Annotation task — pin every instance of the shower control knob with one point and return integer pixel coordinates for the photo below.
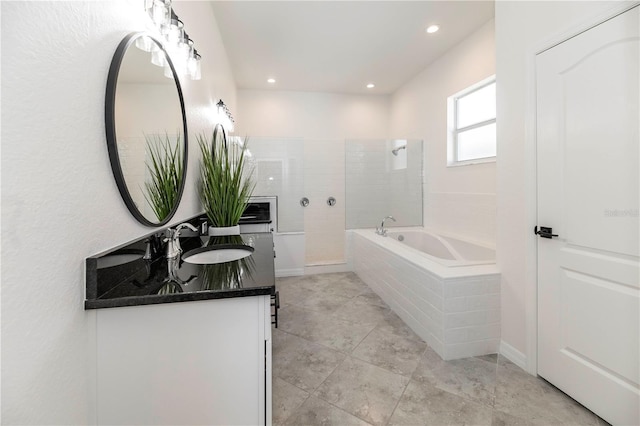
(331, 201)
(304, 201)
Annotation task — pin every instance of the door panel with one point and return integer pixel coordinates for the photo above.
(587, 93)
(599, 114)
(586, 335)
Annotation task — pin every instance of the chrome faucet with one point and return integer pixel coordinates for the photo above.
(173, 239)
(381, 230)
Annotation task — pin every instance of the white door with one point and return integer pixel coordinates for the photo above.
(588, 189)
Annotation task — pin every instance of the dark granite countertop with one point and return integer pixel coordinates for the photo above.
(123, 277)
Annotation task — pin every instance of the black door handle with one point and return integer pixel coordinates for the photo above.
(544, 232)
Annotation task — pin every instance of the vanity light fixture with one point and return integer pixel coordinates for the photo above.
(193, 65)
(370, 86)
(432, 29)
(271, 80)
(224, 116)
(175, 40)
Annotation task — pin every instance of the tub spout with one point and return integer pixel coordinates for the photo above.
(381, 230)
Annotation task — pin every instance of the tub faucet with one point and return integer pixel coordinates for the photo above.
(381, 230)
(173, 239)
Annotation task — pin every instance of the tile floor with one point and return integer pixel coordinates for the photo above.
(341, 357)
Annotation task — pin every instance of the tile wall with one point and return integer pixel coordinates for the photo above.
(323, 224)
(469, 215)
(279, 171)
(379, 183)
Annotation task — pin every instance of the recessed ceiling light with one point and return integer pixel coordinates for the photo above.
(271, 80)
(432, 29)
(370, 86)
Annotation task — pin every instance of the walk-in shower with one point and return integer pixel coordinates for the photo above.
(348, 184)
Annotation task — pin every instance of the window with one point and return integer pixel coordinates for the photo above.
(472, 124)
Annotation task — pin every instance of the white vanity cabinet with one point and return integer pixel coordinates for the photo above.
(199, 362)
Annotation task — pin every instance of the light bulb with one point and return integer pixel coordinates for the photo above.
(160, 12)
(193, 65)
(158, 57)
(145, 43)
(174, 33)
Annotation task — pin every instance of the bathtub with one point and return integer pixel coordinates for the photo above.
(446, 289)
(445, 250)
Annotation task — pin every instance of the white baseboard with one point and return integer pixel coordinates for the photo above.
(513, 355)
(289, 272)
(326, 269)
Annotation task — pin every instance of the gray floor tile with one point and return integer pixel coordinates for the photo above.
(364, 390)
(320, 282)
(534, 400)
(424, 404)
(338, 311)
(392, 323)
(370, 298)
(322, 328)
(492, 358)
(471, 378)
(603, 422)
(302, 363)
(286, 399)
(504, 419)
(359, 312)
(292, 294)
(346, 284)
(320, 301)
(318, 412)
(390, 351)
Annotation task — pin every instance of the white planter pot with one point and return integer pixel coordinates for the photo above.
(225, 230)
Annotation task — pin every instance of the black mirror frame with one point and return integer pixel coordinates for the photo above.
(110, 125)
(219, 128)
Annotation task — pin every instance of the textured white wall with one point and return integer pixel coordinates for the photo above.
(522, 28)
(60, 202)
(457, 200)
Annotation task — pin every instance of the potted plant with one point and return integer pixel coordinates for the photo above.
(162, 192)
(226, 181)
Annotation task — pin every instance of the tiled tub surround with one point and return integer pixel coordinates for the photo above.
(122, 277)
(455, 309)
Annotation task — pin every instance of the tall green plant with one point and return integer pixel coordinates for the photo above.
(165, 170)
(225, 186)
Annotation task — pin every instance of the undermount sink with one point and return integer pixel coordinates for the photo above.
(211, 255)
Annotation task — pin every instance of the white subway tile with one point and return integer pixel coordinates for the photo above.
(456, 335)
(455, 304)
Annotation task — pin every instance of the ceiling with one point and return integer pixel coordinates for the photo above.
(340, 46)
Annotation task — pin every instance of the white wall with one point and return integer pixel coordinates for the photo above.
(60, 202)
(323, 121)
(457, 200)
(312, 115)
(522, 29)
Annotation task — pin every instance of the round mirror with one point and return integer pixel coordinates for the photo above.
(146, 129)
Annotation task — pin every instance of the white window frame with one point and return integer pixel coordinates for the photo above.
(453, 131)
